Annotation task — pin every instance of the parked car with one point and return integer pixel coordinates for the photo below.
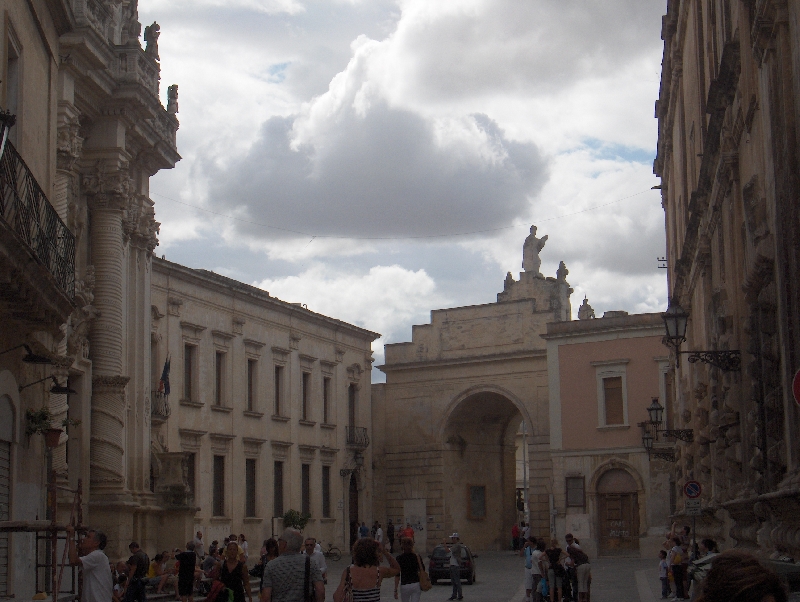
(439, 566)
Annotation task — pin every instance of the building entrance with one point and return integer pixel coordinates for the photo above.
(618, 513)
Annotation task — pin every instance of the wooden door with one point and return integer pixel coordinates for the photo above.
(618, 514)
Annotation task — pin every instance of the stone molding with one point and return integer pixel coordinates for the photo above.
(280, 355)
(221, 442)
(307, 362)
(327, 368)
(191, 439)
(113, 383)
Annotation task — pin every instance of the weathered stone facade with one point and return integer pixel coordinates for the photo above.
(728, 160)
(446, 419)
(233, 349)
(90, 132)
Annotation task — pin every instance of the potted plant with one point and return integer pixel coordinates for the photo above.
(41, 421)
(295, 519)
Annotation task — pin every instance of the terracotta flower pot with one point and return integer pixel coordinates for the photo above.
(52, 437)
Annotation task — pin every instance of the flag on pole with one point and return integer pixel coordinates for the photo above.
(163, 384)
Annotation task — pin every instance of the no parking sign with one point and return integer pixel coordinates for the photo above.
(692, 489)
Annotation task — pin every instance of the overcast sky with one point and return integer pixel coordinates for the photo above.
(377, 159)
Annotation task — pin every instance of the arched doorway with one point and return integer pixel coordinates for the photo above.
(618, 513)
(479, 470)
(353, 506)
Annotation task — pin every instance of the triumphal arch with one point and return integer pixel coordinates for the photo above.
(447, 419)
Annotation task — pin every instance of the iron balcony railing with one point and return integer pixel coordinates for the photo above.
(159, 405)
(357, 436)
(25, 208)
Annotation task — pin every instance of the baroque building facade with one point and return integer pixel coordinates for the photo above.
(78, 235)
(728, 161)
(268, 411)
(489, 400)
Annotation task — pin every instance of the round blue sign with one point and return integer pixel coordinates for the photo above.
(692, 489)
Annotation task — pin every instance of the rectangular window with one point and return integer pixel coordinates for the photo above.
(326, 492)
(250, 486)
(306, 489)
(277, 489)
(252, 384)
(219, 378)
(278, 390)
(218, 502)
(326, 400)
(306, 395)
(351, 405)
(189, 355)
(477, 501)
(575, 492)
(190, 472)
(612, 390)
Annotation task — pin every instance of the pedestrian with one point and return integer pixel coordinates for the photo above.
(119, 587)
(410, 564)
(135, 583)
(527, 551)
(515, 537)
(98, 584)
(390, 535)
(243, 546)
(583, 570)
(199, 546)
(675, 556)
(455, 549)
(537, 570)
(141, 561)
(408, 531)
(379, 534)
(187, 561)
(663, 574)
(374, 530)
(363, 530)
(526, 531)
(555, 571)
(699, 568)
(285, 576)
(311, 549)
(233, 573)
(363, 578)
(737, 576)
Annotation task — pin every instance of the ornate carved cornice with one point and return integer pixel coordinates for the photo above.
(108, 188)
(69, 143)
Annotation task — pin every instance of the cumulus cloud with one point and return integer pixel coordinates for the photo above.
(270, 7)
(385, 299)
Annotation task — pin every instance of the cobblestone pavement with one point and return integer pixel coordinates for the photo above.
(500, 579)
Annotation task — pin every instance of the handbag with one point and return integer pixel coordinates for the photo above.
(347, 594)
(424, 580)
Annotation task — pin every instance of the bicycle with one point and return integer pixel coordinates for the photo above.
(332, 552)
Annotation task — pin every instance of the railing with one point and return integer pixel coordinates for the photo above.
(159, 405)
(25, 208)
(356, 436)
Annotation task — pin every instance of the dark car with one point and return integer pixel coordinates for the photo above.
(439, 566)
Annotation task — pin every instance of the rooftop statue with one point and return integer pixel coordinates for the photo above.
(585, 311)
(151, 33)
(531, 262)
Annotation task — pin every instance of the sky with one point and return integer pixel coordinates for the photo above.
(378, 159)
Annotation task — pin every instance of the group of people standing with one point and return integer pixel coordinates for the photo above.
(554, 573)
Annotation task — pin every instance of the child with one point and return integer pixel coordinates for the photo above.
(119, 588)
(663, 574)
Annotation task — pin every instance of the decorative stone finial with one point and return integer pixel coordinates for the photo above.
(585, 311)
(172, 99)
(151, 33)
(562, 272)
(509, 281)
(530, 253)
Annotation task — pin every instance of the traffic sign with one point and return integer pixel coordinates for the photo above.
(692, 489)
(693, 507)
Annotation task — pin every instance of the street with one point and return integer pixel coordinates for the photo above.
(500, 578)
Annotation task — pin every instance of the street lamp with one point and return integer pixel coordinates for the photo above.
(651, 429)
(30, 356)
(675, 322)
(56, 389)
(7, 120)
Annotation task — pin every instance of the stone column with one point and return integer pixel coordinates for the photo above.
(108, 192)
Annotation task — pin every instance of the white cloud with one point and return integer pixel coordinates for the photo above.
(270, 7)
(386, 299)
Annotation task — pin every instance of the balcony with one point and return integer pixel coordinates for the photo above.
(159, 406)
(356, 437)
(35, 223)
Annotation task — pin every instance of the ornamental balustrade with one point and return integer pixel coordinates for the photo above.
(26, 210)
(356, 436)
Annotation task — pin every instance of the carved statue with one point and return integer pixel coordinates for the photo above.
(172, 99)
(531, 261)
(76, 329)
(151, 33)
(585, 311)
(509, 281)
(562, 272)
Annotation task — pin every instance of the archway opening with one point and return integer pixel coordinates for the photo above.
(618, 513)
(479, 467)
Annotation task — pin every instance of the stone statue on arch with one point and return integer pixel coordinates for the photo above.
(531, 262)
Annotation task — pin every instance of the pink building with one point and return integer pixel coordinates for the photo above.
(603, 374)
